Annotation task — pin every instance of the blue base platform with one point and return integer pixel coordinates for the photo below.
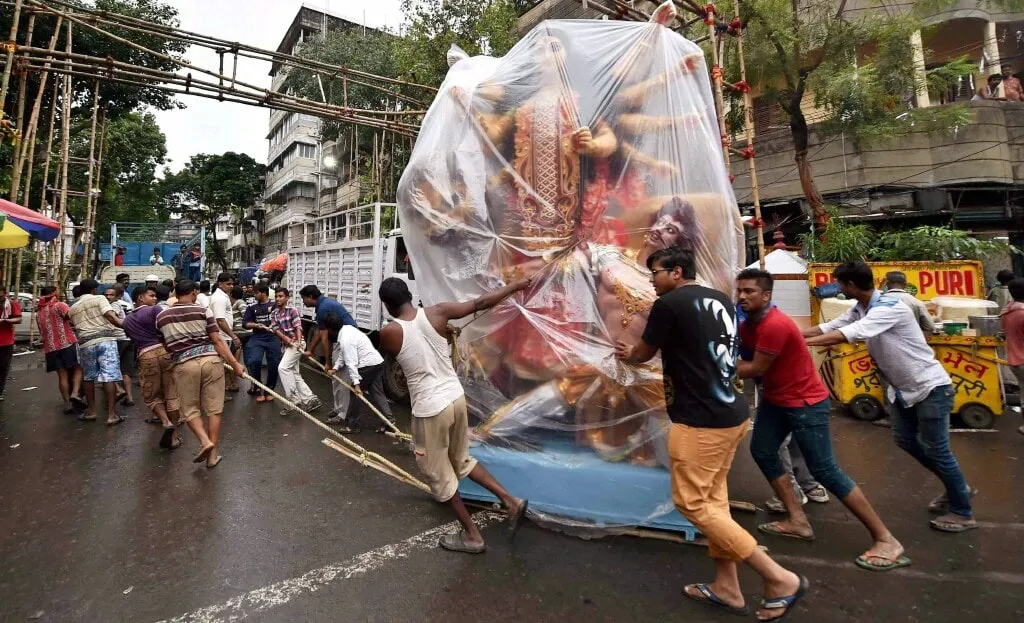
(573, 482)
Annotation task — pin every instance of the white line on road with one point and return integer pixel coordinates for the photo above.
(280, 593)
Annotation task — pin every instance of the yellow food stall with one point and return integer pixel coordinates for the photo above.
(971, 361)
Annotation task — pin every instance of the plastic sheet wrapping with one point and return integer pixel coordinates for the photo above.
(587, 147)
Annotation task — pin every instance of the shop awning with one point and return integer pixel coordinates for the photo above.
(45, 229)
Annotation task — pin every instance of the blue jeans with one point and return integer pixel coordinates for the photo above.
(255, 349)
(922, 431)
(809, 426)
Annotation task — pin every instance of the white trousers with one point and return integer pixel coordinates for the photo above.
(295, 389)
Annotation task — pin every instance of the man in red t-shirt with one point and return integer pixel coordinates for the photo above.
(796, 401)
(10, 315)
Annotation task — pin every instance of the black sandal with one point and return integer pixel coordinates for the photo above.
(167, 437)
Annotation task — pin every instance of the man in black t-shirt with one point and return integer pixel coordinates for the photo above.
(695, 329)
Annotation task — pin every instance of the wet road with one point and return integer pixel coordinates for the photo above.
(97, 524)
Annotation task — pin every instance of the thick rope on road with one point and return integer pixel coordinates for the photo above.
(347, 447)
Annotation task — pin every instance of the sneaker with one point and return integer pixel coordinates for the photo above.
(818, 495)
(312, 405)
(336, 419)
(775, 505)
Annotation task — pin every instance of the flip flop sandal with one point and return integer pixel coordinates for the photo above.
(768, 528)
(864, 562)
(940, 505)
(152, 420)
(953, 527)
(203, 454)
(515, 522)
(708, 597)
(212, 464)
(785, 603)
(79, 402)
(119, 420)
(261, 398)
(457, 543)
(128, 403)
(165, 439)
(252, 391)
(83, 418)
(120, 397)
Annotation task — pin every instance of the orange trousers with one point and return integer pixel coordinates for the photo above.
(700, 461)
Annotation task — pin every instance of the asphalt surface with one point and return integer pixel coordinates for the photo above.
(98, 524)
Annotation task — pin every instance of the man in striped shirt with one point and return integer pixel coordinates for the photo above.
(192, 339)
(286, 323)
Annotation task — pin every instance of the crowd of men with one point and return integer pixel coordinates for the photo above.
(175, 338)
(179, 342)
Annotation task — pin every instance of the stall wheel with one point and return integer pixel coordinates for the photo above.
(977, 416)
(865, 407)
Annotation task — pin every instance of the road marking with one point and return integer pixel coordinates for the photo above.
(973, 578)
(280, 593)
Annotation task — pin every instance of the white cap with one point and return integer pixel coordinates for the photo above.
(152, 278)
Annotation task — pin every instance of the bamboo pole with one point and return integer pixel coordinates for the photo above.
(46, 195)
(748, 131)
(98, 180)
(65, 143)
(29, 139)
(321, 369)
(89, 203)
(19, 152)
(362, 454)
(11, 46)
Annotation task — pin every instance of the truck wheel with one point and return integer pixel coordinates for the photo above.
(977, 416)
(865, 407)
(394, 381)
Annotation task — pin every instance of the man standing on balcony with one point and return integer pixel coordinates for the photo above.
(919, 388)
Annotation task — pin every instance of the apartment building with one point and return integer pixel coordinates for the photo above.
(304, 175)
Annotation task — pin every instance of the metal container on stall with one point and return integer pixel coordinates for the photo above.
(987, 326)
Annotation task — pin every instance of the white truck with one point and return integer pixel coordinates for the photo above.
(348, 257)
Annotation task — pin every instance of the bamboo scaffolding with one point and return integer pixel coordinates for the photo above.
(197, 89)
(65, 141)
(87, 233)
(267, 95)
(10, 46)
(29, 139)
(19, 158)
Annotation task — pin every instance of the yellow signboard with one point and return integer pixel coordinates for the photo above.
(925, 280)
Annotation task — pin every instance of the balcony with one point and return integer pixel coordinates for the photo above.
(989, 150)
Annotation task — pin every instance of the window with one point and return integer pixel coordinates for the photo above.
(307, 151)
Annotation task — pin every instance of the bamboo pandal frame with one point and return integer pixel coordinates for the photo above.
(347, 447)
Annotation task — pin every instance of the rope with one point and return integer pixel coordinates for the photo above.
(351, 448)
(321, 369)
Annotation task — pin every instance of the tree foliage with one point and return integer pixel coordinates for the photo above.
(478, 27)
(856, 65)
(210, 187)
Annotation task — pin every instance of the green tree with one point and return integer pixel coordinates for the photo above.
(478, 27)
(858, 66)
(210, 187)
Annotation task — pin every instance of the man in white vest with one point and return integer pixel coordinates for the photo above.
(418, 340)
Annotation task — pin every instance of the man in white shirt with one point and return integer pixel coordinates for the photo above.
(896, 285)
(221, 308)
(919, 387)
(359, 364)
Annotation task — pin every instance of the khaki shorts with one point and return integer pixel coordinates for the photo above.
(200, 384)
(442, 449)
(157, 380)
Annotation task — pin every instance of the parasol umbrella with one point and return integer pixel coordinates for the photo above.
(12, 236)
(45, 229)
